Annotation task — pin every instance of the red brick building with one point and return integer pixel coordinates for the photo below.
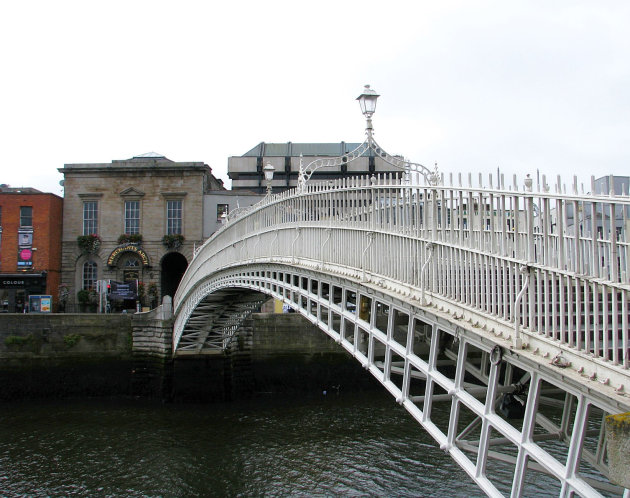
(30, 246)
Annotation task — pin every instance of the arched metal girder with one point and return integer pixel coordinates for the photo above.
(214, 321)
(552, 429)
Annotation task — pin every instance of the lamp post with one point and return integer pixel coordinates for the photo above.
(367, 101)
(269, 170)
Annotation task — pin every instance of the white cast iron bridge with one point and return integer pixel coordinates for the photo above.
(509, 303)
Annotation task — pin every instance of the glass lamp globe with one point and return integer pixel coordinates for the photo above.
(367, 101)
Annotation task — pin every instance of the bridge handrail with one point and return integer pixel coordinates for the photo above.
(574, 246)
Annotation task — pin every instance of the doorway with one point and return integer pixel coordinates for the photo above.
(173, 267)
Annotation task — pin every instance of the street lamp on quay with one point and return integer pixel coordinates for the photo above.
(367, 101)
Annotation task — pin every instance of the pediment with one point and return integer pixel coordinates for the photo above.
(132, 192)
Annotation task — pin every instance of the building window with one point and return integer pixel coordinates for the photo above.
(89, 275)
(90, 217)
(222, 209)
(173, 217)
(26, 216)
(132, 217)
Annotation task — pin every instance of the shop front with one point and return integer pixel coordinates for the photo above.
(129, 267)
(16, 288)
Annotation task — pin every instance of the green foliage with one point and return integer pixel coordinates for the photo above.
(173, 241)
(83, 296)
(17, 340)
(130, 238)
(89, 244)
(71, 339)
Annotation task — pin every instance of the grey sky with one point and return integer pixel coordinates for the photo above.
(519, 85)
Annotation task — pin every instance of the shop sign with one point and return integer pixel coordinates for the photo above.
(120, 291)
(111, 261)
(34, 283)
(12, 283)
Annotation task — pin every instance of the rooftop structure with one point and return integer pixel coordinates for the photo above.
(246, 171)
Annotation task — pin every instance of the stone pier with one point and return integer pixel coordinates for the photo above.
(618, 437)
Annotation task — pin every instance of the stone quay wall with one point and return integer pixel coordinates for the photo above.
(63, 355)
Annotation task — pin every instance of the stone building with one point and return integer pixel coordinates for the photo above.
(128, 221)
(246, 171)
(30, 248)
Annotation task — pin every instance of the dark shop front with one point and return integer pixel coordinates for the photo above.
(15, 290)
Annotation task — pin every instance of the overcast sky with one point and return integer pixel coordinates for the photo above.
(474, 86)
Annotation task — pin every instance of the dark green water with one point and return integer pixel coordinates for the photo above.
(334, 445)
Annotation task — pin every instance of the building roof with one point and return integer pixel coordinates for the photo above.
(5, 189)
(290, 149)
(154, 155)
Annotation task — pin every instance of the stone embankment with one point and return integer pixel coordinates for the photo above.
(62, 355)
(58, 355)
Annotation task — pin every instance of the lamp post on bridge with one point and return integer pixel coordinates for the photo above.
(269, 171)
(367, 101)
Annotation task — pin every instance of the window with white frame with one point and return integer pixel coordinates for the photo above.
(90, 217)
(132, 217)
(174, 217)
(26, 216)
(89, 275)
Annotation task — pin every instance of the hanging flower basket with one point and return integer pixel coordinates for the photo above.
(130, 238)
(174, 241)
(88, 244)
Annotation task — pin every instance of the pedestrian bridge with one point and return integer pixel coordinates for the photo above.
(509, 302)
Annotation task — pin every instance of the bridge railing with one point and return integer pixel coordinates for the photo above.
(554, 264)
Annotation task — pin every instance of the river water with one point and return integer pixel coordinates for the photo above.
(327, 445)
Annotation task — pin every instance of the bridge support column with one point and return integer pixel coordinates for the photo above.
(618, 436)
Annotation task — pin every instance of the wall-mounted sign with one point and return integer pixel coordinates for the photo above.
(12, 283)
(119, 291)
(31, 283)
(116, 253)
(25, 258)
(25, 252)
(25, 239)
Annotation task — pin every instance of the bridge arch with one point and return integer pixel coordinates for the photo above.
(419, 356)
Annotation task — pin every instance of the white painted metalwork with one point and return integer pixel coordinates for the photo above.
(422, 284)
(368, 106)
